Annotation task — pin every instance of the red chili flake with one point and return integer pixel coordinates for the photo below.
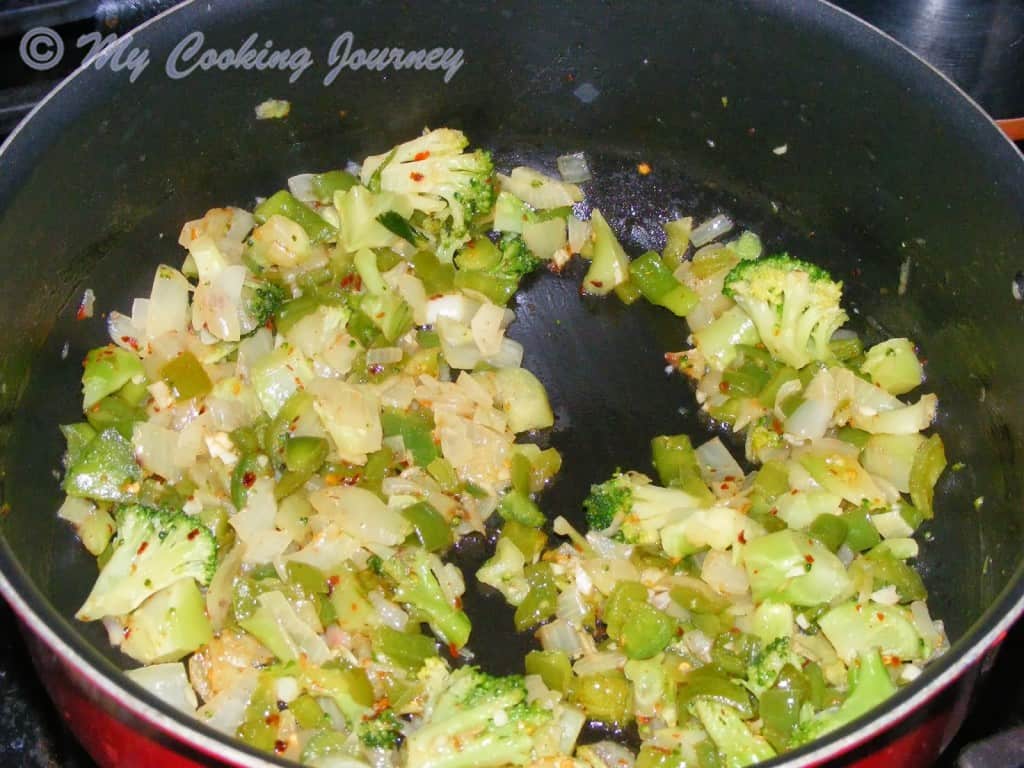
(380, 705)
(193, 533)
(855, 271)
(742, 539)
(751, 131)
(416, 176)
(272, 719)
(597, 283)
(723, 386)
(809, 558)
(81, 314)
(248, 479)
(777, 426)
(773, 511)
(350, 480)
(724, 486)
(880, 616)
(280, 746)
(643, 169)
(142, 548)
(458, 603)
(453, 650)
(333, 580)
(354, 607)
(202, 410)
(422, 155)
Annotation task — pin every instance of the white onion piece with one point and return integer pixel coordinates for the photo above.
(226, 711)
(579, 234)
(698, 644)
(383, 356)
(611, 754)
(723, 575)
(925, 626)
(710, 230)
(453, 306)
(573, 168)
(596, 663)
(559, 635)
(390, 614)
(810, 420)
(169, 683)
(717, 466)
(570, 606)
(301, 186)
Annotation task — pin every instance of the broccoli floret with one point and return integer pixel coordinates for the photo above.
(152, 550)
(416, 585)
(640, 508)
(794, 305)
(261, 301)
(870, 685)
(438, 178)
(478, 720)
(517, 260)
(505, 571)
(383, 730)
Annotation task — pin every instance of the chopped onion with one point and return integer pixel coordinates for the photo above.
(698, 644)
(710, 230)
(611, 754)
(301, 186)
(560, 635)
(723, 575)
(596, 663)
(573, 168)
(570, 606)
(717, 466)
(925, 626)
(169, 683)
(391, 615)
(579, 234)
(383, 356)
(453, 306)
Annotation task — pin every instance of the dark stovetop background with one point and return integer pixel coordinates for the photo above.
(978, 43)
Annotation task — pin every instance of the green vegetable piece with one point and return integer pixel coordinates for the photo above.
(327, 183)
(444, 473)
(478, 254)
(869, 687)
(794, 305)
(647, 632)
(860, 531)
(830, 530)
(103, 470)
(186, 377)
(677, 241)
(353, 611)
(929, 463)
(540, 602)
(520, 472)
(430, 528)
(153, 550)
(416, 427)
(170, 625)
(107, 369)
(77, 436)
(893, 365)
(853, 436)
(134, 392)
(307, 577)
(554, 668)
(305, 454)
(308, 712)
(794, 568)
(521, 508)
(246, 472)
(739, 745)
(528, 540)
(416, 585)
(605, 696)
(887, 570)
(398, 225)
(408, 650)
(845, 350)
(498, 289)
(709, 683)
(610, 265)
(437, 277)
(114, 413)
(283, 203)
(855, 628)
(675, 461)
(657, 284)
(697, 597)
(628, 293)
(623, 600)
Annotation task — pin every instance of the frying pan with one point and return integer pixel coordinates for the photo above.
(886, 163)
